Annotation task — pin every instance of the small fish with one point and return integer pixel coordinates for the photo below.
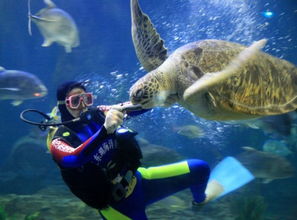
(55, 25)
(19, 85)
(190, 131)
(265, 165)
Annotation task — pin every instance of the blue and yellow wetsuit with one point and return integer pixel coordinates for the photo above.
(92, 163)
(156, 183)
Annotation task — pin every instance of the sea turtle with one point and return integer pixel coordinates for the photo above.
(214, 79)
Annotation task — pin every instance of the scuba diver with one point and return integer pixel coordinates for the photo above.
(99, 160)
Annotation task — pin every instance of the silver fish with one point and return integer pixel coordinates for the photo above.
(19, 85)
(265, 165)
(55, 25)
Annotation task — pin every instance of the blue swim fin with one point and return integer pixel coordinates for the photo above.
(231, 174)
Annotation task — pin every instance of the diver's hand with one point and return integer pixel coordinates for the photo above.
(114, 118)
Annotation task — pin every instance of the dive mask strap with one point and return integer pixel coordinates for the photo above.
(61, 102)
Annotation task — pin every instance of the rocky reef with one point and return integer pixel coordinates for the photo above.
(57, 203)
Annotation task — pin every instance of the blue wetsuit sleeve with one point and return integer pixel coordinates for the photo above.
(67, 156)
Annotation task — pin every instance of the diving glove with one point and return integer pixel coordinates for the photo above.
(114, 118)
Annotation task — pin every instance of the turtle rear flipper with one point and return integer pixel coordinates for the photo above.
(211, 79)
(148, 44)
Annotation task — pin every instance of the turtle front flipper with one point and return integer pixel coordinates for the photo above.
(211, 79)
(148, 44)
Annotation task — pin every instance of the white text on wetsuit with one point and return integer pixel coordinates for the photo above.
(103, 149)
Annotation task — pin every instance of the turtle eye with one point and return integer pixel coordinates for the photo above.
(138, 94)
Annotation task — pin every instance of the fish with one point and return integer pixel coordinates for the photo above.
(19, 85)
(155, 155)
(265, 165)
(276, 147)
(276, 125)
(55, 25)
(190, 131)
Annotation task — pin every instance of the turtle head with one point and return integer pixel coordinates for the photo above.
(147, 92)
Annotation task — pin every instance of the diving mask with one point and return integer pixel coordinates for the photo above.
(74, 101)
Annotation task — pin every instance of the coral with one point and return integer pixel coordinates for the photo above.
(249, 208)
(33, 216)
(3, 214)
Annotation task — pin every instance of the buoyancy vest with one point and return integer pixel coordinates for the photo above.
(95, 184)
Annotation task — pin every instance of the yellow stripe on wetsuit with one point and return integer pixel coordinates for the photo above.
(150, 173)
(111, 213)
(165, 171)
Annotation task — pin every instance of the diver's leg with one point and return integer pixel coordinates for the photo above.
(162, 181)
(200, 172)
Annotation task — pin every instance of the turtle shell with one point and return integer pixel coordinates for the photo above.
(264, 85)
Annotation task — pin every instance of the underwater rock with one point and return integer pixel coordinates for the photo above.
(59, 206)
(249, 208)
(56, 203)
(28, 167)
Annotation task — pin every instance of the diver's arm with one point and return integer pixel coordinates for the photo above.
(68, 156)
